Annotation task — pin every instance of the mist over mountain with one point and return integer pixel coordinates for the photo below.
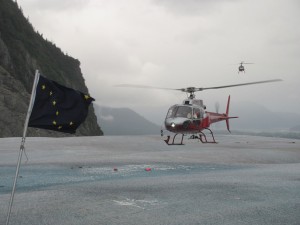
(123, 121)
(256, 117)
(22, 51)
(295, 129)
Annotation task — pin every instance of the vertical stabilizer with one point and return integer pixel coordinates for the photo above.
(227, 113)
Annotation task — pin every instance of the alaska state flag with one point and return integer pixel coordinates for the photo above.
(57, 107)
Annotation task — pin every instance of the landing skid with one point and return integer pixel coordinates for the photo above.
(172, 143)
(203, 139)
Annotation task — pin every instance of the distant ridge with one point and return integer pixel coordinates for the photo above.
(295, 129)
(253, 116)
(124, 121)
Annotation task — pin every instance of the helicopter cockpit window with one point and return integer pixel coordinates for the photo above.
(184, 111)
(171, 112)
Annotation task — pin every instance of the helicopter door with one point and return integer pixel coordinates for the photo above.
(196, 116)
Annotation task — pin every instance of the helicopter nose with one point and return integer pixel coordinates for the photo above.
(177, 124)
(170, 125)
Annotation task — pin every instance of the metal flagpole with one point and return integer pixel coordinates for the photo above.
(22, 147)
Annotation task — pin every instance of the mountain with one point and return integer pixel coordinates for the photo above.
(124, 121)
(295, 129)
(253, 116)
(22, 51)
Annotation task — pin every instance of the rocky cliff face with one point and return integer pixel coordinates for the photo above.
(22, 51)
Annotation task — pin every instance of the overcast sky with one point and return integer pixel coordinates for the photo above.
(176, 44)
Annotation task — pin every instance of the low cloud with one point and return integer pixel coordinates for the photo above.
(107, 118)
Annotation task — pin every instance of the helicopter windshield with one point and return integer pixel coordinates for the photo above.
(180, 111)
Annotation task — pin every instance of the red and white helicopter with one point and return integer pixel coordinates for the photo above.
(191, 117)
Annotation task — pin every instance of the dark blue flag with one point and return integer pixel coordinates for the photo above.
(57, 107)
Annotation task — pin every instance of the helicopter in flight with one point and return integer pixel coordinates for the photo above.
(190, 117)
(241, 67)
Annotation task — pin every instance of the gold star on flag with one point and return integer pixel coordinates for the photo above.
(54, 103)
(50, 93)
(43, 87)
(86, 97)
(71, 123)
(59, 127)
(54, 122)
(57, 113)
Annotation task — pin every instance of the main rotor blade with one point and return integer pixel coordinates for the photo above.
(236, 85)
(145, 86)
(194, 89)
